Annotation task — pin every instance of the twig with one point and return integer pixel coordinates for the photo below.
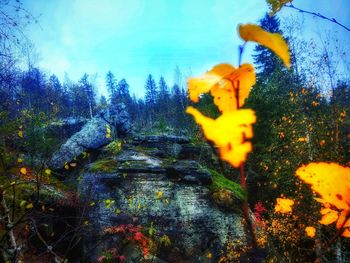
(333, 20)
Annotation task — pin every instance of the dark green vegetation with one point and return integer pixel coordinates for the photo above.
(302, 116)
(221, 182)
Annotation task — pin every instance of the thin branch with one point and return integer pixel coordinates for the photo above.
(333, 20)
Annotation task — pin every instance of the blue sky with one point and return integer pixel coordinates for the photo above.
(136, 37)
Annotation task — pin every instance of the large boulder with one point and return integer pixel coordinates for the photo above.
(91, 136)
(119, 118)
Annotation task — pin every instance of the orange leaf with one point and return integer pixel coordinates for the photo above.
(329, 216)
(284, 205)
(346, 226)
(237, 84)
(202, 84)
(225, 84)
(273, 41)
(23, 170)
(310, 231)
(330, 180)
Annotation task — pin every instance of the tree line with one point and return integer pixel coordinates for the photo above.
(32, 90)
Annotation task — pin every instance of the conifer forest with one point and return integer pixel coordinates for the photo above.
(174, 131)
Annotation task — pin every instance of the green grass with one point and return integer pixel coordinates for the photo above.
(221, 182)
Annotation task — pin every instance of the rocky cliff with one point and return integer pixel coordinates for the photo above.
(155, 182)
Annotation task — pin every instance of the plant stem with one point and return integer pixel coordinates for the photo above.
(245, 205)
(245, 209)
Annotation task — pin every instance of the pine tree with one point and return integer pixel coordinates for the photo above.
(33, 87)
(111, 84)
(163, 102)
(151, 91)
(56, 95)
(89, 92)
(151, 97)
(123, 91)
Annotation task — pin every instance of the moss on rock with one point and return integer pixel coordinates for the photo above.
(114, 147)
(221, 182)
(104, 165)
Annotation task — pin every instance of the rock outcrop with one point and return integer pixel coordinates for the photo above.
(119, 118)
(93, 135)
(65, 128)
(148, 184)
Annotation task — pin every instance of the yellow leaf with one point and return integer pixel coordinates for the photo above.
(329, 216)
(284, 205)
(19, 160)
(273, 41)
(330, 180)
(151, 230)
(23, 170)
(109, 203)
(20, 134)
(165, 240)
(229, 132)
(202, 84)
(344, 225)
(73, 164)
(225, 84)
(310, 231)
(159, 194)
(29, 206)
(276, 5)
(48, 171)
(23, 203)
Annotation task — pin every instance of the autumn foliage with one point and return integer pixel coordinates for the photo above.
(231, 131)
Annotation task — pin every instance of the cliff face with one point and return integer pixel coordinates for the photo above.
(158, 183)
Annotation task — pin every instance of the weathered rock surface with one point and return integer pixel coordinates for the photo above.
(92, 135)
(65, 128)
(119, 118)
(170, 194)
